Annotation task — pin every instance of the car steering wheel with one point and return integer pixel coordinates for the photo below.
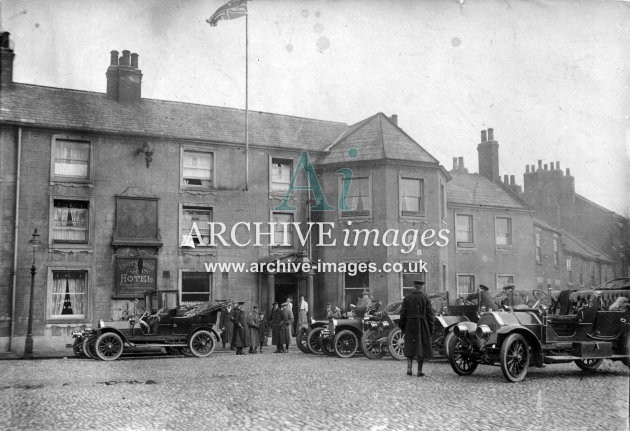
(541, 298)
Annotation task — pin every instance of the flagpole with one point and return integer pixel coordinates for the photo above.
(246, 103)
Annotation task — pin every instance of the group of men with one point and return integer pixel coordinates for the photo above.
(242, 328)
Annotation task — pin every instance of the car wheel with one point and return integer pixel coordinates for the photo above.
(447, 340)
(372, 348)
(396, 343)
(173, 351)
(186, 351)
(514, 357)
(327, 346)
(314, 346)
(76, 348)
(108, 346)
(85, 348)
(589, 365)
(302, 340)
(346, 343)
(461, 361)
(201, 344)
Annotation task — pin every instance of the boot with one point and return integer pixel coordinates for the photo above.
(251, 350)
(409, 365)
(420, 373)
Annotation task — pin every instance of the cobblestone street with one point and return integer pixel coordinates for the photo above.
(300, 391)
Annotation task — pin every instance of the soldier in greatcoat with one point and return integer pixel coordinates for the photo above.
(416, 322)
(253, 324)
(288, 316)
(278, 322)
(226, 325)
(239, 336)
(262, 331)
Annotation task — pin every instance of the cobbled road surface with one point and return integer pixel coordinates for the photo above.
(297, 391)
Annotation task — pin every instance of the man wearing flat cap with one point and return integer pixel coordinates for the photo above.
(416, 322)
(511, 297)
(485, 298)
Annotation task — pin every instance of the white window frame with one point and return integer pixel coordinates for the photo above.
(52, 242)
(180, 284)
(509, 246)
(290, 231)
(499, 286)
(195, 149)
(357, 215)
(464, 245)
(276, 190)
(71, 178)
(49, 292)
(422, 198)
(182, 208)
(459, 294)
(343, 282)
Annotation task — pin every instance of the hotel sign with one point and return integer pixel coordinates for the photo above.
(134, 276)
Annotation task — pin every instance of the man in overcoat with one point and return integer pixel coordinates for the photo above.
(485, 298)
(253, 324)
(226, 325)
(288, 316)
(278, 323)
(416, 322)
(239, 336)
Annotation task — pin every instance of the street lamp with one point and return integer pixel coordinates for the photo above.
(28, 345)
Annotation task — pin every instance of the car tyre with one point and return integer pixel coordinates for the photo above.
(313, 341)
(515, 357)
(447, 339)
(202, 343)
(396, 344)
(346, 343)
(85, 348)
(186, 351)
(108, 346)
(302, 340)
(589, 365)
(372, 348)
(460, 361)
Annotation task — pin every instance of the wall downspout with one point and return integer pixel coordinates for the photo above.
(15, 245)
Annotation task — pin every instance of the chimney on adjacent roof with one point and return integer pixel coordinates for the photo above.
(395, 119)
(124, 79)
(488, 153)
(6, 60)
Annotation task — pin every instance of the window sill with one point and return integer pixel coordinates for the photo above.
(70, 248)
(197, 189)
(51, 321)
(199, 250)
(75, 182)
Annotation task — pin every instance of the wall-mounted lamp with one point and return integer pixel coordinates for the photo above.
(148, 153)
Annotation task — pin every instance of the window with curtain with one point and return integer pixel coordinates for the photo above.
(195, 287)
(280, 219)
(68, 294)
(197, 168)
(281, 171)
(411, 196)
(72, 158)
(464, 230)
(359, 200)
(70, 221)
(410, 274)
(504, 232)
(465, 284)
(199, 215)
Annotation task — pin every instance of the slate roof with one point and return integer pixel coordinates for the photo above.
(376, 138)
(476, 190)
(77, 110)
(575, 245)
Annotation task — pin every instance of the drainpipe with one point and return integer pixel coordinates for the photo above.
(15, 245)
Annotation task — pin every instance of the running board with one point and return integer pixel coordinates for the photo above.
(557, 359)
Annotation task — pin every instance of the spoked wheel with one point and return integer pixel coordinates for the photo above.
(447, 341)
(201, 344)
(312, 341)
(346, 343)
(514, 358)
(302, 340)
(396, 343)
(589, 365)
(372, 348)
(460, 360)
(108, 346)
(186, 351)
(76, 348)
(327, 346)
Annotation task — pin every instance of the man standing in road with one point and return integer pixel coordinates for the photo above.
(416, 322)
(302, 319)
(226, 325)
(239, 337)
(253, 324)
(287, 315)
(278, 334)
(485, 298)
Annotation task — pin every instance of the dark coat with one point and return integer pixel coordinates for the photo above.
(416, 322)
(262, 332)
(226, 325)
(253, 322)
(486, 300)
(239, 337)
(278, 322)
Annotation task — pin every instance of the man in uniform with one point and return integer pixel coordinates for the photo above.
(485, 298)
(288, 317)
(226, 325)
(278, 334)
(416, 322)
(253, 324)
(239, 336)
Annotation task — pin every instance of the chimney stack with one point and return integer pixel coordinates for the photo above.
(505, 179)
(395, 119)
(488, 153)
(6, 60)
(124, 79)
(454, 163)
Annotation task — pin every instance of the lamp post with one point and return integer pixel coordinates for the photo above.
(28, 345)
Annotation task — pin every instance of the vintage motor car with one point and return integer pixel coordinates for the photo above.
(524, 336)
(191, 333)
(308, 344)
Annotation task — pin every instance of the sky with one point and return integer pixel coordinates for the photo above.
(551, 77)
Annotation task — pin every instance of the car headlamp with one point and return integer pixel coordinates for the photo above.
(460, 330)
(334, 321)
(483, 331)
(385, 324)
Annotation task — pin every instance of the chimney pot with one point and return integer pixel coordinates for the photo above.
(114, 58)
(124, 60)
(484, 136)
(539, 165)
(546, 166)
(512, 180)
(6, 59)
(395, 119)
(551, 166)
(461, 163)
(568, 172)
(454, 163)
(134, 60)
(505, 180)
(558, 165)
(4, 39)
(526, 169)
(490, 134)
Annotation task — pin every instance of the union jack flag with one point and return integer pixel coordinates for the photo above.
(232, 9)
